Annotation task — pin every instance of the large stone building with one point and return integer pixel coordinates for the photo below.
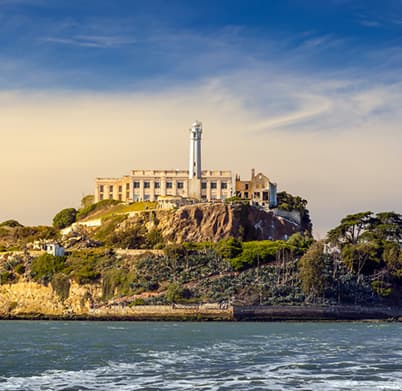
(149, 185)
(259, 190)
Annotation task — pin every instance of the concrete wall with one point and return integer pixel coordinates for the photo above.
(293, 215)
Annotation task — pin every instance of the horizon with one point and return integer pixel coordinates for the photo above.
(306, 93)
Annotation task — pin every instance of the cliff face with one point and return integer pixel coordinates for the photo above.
(27, 297)
(205, 222)
(31, 299)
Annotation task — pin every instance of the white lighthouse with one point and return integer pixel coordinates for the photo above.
(194, 172)
(195, 150)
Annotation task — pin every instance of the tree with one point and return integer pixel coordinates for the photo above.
(290, 202)
(87, 201)
(362, 258)
(229, 248)
(350, 229)
(387, 226)
(11, 223)
(300, 242)
(314, 271)
(65, 218)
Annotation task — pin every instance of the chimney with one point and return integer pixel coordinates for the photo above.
(252, 173)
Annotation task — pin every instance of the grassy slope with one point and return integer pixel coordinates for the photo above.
(121, 209)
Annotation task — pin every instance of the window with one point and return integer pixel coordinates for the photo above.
(127, 195)
(147, 185)
(101, 188)
(246, 194)
(127, 186)
(101, 197)
(224, 185)
(157, 185)
(213, 185)
(203, 185)
(147, 197)
(120, 189)
(111, 188)
(120, 197)
(246, 186)
(180, 185)
(169, 185)
(110, 196)
(136, 185)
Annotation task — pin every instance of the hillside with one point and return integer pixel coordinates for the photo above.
(204, 253)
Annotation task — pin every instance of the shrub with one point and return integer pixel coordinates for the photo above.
(45, 266)
(117, 281)
(257, 252)
(105, 232)
(137, 301)
(6, 277)
(85, 266)
(154, 239)
(132, 237)
(175, 293)
(64, 218)
(229, 248)
(61, 285)
(87, 201)
(11, 223)
(20, 268)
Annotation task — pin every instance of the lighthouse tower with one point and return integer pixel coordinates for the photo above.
(194, 173)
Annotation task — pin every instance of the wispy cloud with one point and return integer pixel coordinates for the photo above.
(370, 23)
(95, 41)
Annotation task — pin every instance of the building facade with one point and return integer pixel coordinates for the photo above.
(259, 190)
(148, 185)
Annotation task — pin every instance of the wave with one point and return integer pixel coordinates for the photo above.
(172, 371)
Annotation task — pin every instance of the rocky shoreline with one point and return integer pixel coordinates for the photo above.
(212, 312)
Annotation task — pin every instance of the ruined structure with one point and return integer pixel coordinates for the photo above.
(259, 190)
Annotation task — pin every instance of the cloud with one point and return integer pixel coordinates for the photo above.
(331, 135)
(370, 23)
(332, 143)
(94, 41)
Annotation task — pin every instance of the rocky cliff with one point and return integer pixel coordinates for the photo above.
(212, 222)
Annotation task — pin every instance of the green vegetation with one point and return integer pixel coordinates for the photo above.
(60, 283)
(106, 231)
(85, 267)
(90, 209)
(289, 203)
(313, 272)
(87, 201)
(117, 282)
(107, 208)
(11, 223)
(64, 218)
(369, 246)
(176, 293)
(45, 266)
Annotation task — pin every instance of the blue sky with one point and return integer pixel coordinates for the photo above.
(309, 92)
(119, 45)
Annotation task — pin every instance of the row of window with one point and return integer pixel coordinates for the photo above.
(157, 185)
(102, 188)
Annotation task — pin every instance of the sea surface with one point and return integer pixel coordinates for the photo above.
(58, 355)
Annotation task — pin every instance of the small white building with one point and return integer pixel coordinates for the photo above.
(54, 249)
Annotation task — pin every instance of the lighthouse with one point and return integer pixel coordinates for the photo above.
(194, 172)
(195, 150)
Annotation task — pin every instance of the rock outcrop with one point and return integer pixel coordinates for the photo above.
(206, 222)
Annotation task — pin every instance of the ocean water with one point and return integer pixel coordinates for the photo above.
(40, 355)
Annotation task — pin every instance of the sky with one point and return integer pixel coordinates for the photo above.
(308, 92)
